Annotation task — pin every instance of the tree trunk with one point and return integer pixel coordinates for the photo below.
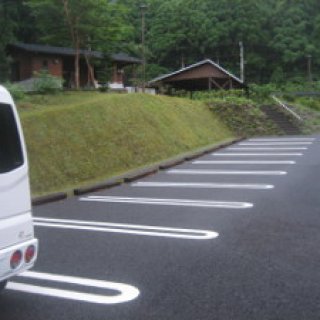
(91, 78)
(72, 23)
(77, 67)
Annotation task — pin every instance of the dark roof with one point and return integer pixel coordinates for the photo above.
(198, 64)
(123, 57)
(118, 57)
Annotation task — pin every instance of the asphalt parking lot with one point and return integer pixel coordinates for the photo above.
(230, 235)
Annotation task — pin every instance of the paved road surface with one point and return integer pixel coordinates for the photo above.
(231, 235)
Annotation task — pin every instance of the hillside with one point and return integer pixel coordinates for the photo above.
(76, 138)
(308, 108)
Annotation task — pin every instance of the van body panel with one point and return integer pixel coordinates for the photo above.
(16, 229)
(16, 224)
(12, 184)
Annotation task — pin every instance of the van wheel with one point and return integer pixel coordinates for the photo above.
(2, 285)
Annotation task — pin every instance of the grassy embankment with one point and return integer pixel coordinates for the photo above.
(77, 138)
(308, 108)
(242, 116)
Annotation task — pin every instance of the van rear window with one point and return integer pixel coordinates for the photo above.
(11, 156)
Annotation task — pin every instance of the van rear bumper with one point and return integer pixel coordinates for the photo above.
(5, 256)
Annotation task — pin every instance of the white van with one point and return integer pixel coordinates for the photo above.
(18, 247)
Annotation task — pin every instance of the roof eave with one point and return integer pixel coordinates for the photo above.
(166, 76)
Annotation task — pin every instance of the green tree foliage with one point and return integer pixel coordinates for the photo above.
(90, 24)
(7, 26)
(16, 24)
(278, 35)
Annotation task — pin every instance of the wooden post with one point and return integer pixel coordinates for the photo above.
(225, 84)
(216, 83)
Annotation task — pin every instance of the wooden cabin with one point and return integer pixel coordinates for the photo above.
(29, 59)
(204, 75)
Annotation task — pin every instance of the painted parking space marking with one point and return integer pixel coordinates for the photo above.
(203, 185)
(267, 148)
(243, 162)
(282, 139)
(227, 154)
(171, 202)
(154, 231)
(226, 172)
(290, 143)
(124, 292)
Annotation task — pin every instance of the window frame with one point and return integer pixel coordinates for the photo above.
(14, 144)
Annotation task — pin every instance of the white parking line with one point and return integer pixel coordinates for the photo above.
(171, 202)
(226, 172)
(203, 185)
(127, 292)
(283, 139)
(225, 154)
(273, 143)
(243, 162)
(267, 148)
(154, 231)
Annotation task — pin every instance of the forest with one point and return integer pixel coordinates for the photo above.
(280, 37)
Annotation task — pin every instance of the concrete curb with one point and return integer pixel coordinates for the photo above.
(97, 186)
(36, 201)
(140, 173)
(171, 163)
(134, 174)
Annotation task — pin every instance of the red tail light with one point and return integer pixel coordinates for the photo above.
(29, 254)
(15, 259)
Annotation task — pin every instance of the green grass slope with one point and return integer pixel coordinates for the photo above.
(308, 109)
(77, 138)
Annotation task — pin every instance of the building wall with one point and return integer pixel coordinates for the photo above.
(51, 63)
(27, 63)
(204, 71)
(23, 66)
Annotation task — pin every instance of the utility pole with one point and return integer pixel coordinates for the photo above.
(241, 61)
(143, 9)
(309, 56)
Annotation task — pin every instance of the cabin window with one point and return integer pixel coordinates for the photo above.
(11, 156)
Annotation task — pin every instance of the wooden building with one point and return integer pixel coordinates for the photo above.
(59, 61)
(204, 75)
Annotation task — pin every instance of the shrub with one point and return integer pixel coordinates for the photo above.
(103, 88)
(46, 83)
(15, 90)
(244, 118)
(213, 94)
(288, 97)
(311, 103)
(262, 93)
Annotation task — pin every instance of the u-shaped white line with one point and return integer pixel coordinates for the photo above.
(171, 202)
(124, 292)
(155, 231)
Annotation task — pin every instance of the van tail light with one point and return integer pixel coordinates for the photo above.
(29, 254)
(15, 259)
